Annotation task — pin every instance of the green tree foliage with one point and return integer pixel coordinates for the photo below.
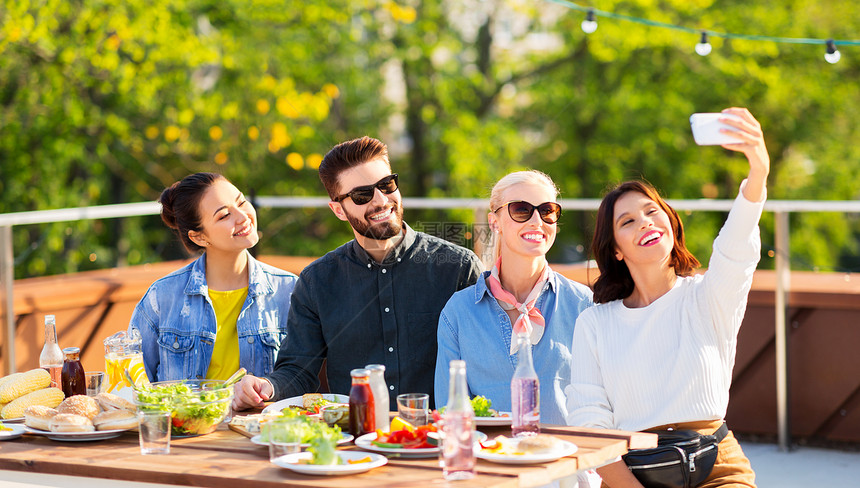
(110, 101)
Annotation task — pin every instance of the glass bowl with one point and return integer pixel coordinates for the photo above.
(196, 406)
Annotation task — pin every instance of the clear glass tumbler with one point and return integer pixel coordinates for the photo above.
(154, 432)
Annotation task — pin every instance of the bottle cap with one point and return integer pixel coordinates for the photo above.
(50, 319)
(359, 372)
(71, 350)
(374, 367)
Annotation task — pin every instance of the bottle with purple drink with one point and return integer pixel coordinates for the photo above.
(525, 392)
(458, 455)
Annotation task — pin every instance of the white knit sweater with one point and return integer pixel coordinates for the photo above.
(669, 362)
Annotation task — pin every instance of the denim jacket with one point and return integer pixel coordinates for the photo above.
(176, 321)
(473, 327)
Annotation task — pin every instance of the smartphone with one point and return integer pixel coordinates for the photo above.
(706, 129)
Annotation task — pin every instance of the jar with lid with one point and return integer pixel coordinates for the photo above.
(74, 381)
(361, 411)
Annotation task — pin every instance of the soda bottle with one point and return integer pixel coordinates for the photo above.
(458, 456)
(51, 358)
(525, 392)
(380, 395)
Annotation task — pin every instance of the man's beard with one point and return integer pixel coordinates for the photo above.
(379, 231)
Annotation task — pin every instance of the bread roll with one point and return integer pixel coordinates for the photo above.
(67, 422)
(109, 401)
(538, 444)
(39, 417)
(115, 419)
(80, 405)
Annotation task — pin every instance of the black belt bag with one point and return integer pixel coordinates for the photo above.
(682, 459)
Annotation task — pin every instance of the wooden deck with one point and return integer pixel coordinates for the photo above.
(823, 316)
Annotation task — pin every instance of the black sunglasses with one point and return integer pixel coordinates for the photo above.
(363, 194)
(521, 211)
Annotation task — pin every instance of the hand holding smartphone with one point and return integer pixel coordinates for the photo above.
(706, 129)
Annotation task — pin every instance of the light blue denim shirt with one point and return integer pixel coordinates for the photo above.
(176, 321)
(473, 327)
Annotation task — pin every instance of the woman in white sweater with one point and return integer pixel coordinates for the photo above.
(658, 350)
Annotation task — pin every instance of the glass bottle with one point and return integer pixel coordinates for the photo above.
(74, 381)
(51, 358)
(458, 455)
(361, 419)
(525, 392)
(379, 389)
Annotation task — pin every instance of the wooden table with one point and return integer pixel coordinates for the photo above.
(225, 458)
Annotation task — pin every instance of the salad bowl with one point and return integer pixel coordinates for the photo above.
(196, 406)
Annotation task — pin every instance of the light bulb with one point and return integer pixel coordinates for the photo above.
(703, 48)
(832, 55)
(589, 25)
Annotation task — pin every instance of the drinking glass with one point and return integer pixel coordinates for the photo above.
(284, 436)
(95, 382)
(414, 408)
(154, 432)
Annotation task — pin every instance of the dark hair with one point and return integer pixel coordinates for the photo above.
(180, 206)
(615, 281)
(347, 155)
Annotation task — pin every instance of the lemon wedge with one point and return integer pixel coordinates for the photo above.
(400, 424)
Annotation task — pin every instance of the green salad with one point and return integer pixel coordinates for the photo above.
(481, 406)
(295, 427)
(195, 410)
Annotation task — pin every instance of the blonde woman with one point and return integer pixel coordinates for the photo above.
(521, 294)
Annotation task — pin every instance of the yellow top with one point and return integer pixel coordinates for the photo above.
(225, 353)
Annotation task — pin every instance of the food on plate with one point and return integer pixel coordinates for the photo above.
(4, 428)
(49, 397)
(39, 417)
(109, 401)
(336, 414)
(310, 399)
(295, 427)
(481, 406)
(536, 444)
(323, 446)
(80, 405)
(69, 422)
(18, 385)
(115, 419)
(403, 435)
(197, 406)
(252, 422)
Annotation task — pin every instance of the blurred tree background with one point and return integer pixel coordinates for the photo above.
(107, 102)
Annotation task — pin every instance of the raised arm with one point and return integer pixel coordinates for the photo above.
(751, 143)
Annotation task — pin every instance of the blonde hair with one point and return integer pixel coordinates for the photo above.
(531, 176)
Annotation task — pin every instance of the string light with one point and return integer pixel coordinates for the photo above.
(589, 25)
(703, 48)
(832, 55)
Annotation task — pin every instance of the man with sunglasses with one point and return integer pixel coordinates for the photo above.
(373, 300)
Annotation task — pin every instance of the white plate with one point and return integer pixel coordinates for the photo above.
(19, 420)
(16, 432)
(364, 442)
(346, 438)
(289, 461)
(564, 449)
(297, 401)
(494, 421)
(97, 435)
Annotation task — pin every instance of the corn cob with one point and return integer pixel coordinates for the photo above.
(49, 397)
(32, 380)
(9, 378)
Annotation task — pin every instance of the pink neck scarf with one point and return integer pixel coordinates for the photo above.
(530, 321)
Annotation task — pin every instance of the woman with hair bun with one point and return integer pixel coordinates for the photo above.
(223, 311)
(520, 295)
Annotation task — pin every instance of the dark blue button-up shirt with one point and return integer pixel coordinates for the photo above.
(352, 311)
